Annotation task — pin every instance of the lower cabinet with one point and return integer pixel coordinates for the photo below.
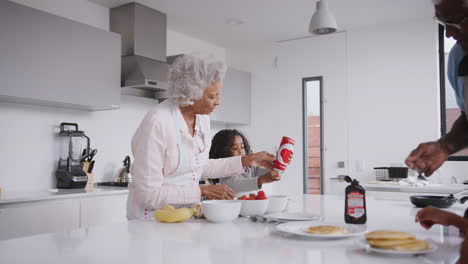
(31, 218)
(103, 210)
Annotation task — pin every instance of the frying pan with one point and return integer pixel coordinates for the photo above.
(437, 201)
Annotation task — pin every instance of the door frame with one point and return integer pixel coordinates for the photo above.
(304, 131)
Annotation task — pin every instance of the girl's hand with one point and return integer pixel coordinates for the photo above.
(259, 159)
(268, 177)
(429, 216)
(463, 251)
(218, 192)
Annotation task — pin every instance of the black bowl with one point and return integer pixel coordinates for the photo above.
(436, 201)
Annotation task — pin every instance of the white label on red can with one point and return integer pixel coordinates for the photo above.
(284, 153)
(356, 204)
(283, 157)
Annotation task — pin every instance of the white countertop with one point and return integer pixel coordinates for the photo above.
(53, 194)
(431, 188)
(242, 241)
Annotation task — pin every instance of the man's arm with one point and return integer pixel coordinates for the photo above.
(457, 138)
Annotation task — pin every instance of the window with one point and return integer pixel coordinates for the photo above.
(313, 136)
(449, 109)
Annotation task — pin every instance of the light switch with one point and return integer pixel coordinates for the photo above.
(341, 164)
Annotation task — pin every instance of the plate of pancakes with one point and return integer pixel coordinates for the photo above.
(317, 229)
(395, 242)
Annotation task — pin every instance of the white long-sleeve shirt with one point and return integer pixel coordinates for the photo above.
(156, 160)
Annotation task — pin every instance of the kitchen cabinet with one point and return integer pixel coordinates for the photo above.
(103, 210)
(31, 218)
(54, 61)
(235, 99)
(19, 219)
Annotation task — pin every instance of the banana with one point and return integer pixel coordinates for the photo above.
(168, 207)
(170, 215)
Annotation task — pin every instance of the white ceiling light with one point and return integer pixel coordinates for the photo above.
(322, 21)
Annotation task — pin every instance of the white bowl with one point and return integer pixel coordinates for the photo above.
(220, 211)
(276, 203)
(253, 207)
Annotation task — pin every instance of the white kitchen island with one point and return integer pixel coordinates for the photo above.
(242, 241)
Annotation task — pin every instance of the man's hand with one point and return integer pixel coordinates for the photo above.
(268, 177)
(217, 192)
(259, 159)
(427, 157)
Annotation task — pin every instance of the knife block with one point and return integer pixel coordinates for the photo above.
(90, 183)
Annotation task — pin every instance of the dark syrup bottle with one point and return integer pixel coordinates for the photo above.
(355, 203)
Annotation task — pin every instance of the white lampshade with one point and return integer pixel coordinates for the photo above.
(322, 21)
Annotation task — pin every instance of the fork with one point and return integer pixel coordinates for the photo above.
(262, 219)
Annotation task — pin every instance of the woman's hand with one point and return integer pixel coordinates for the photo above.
(268, 177)
(217, 192)
(259, 159)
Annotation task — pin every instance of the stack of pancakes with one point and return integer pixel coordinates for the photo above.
(401, 241)
(327, 230)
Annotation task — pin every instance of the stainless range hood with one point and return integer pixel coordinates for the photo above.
(144, 32)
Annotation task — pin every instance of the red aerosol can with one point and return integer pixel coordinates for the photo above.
(355, 204)
(284, 154)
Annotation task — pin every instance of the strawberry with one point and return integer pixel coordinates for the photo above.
(252, 196)
(243, 197)
(261, 195)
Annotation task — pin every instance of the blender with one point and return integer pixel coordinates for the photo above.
(70, 174)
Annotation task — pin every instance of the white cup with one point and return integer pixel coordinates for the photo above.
(276, 203)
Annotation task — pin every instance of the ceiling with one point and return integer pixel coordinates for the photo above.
(273, 20)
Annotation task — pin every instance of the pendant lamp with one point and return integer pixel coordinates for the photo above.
(322, 21)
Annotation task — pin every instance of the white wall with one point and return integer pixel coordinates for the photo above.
(179, 43)
(380, 87)
(380, 84)
(277, 99)
(394, 91)
(30, 144)
(29, 133)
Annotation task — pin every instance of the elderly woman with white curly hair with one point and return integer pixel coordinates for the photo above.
(172, 143)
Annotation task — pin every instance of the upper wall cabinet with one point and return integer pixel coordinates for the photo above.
(50, 60)
(235, 99)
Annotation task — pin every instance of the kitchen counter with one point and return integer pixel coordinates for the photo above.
(431, 188)
(242, 241)
(54, 194)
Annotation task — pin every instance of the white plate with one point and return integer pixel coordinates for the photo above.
(300, 228)
(293, 216)
(362, 243)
